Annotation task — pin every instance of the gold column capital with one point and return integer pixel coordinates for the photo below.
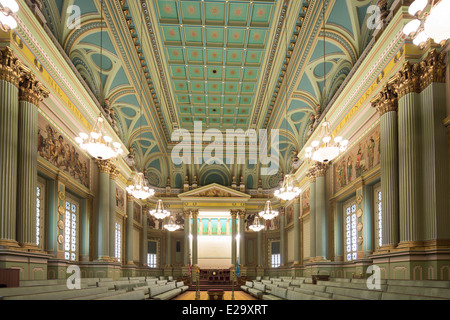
(186, 214)
(320, 169)
(241, 214)
(114, 172)
(433, 68)
(104, 166)
(387, 100)
(9, 66)
(311, 175)
(194, 214)
(130, 197)
(407, 80)
(282, 211)
(234, 213)
(30, 89)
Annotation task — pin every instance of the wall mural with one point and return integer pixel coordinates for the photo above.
(154, 224)
(53, 147)
(305, 201)
(120, 199)
(289, 214)
(357, 161)
(273, 224)
(137, 212)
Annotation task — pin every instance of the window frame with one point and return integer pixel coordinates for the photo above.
(378, 216)
(350, 223)
(41, 207)
(73, 201)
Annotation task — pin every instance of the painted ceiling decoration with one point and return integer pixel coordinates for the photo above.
(227, 63)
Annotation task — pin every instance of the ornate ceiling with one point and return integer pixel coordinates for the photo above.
(229, 64)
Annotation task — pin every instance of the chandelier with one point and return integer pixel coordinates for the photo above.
(172, 226)
(159, 213)
(433, 23)
(257, 226)
(140, 188)
(288, 191)
(7, 8)
(98, 144)
(268, 213)
(331, 148)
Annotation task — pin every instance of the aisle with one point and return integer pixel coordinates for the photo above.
(238, 295)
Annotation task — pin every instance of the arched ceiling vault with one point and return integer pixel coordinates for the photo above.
(229, 64)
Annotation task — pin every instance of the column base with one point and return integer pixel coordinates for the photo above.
(29, 247)
(386, 248)
(410, 245)
(9, 244)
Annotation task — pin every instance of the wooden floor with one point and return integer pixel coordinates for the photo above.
(238, 295)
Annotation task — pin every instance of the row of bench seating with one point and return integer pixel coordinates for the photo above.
(129, 288)
(346, 289)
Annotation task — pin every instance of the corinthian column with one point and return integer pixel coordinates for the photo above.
(321, 212)
(9, 121)
(242, 261)
(187, 217)
(282, 236)
(434, 149)
(234, 214)
(312, 213)
(103, 227)
(195, 237)
(130, 227)
(297, 240)
(408, 86)
(113, 174)
(31, 93)
(386, 103)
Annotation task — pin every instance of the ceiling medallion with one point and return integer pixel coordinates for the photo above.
(432, 23)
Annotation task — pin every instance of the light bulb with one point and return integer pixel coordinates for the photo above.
(421, 39)
(417, 6)
(10, 4)
(315, 144)
(411, 27)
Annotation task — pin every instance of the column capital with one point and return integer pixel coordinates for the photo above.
(104, 166)
(387, 100)
(433, 68)
(320, 169)
(241, 214)
(186, 214)
(9, 66)
(234, 213)
(194, 213)
(311, 175)
(282, 211)
(30, 89)
(130, 197)
(114, 172)
(407, 80)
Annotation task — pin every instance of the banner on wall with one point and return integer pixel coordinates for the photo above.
(61, 153)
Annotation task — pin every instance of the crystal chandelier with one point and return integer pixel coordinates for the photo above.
(331, 149)
(7, 8)
(98, 144)
(172, 226)
(140, 188)
(268, 213)
(159, 213)
(433, 23)
(288, 191)
(257, 226)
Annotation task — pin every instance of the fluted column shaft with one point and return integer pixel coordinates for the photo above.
(144, 247)
(187, 218)
(168, 248)
(259, 253)
(103, 211)
(129, 238)
(321, 215)
(9, 96)
(233, 238)
(195, 237)
(297, 241)
(283, 236)
(112, 211)
(312, 219)
(409, 162)
(242, 260)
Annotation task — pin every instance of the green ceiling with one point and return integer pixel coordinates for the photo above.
(211, 61)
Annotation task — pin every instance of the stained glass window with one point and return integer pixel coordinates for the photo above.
(71, 231)
(118, 241)
(351, 232)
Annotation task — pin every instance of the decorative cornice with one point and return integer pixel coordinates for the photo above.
(9, 66)
(30, 89)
